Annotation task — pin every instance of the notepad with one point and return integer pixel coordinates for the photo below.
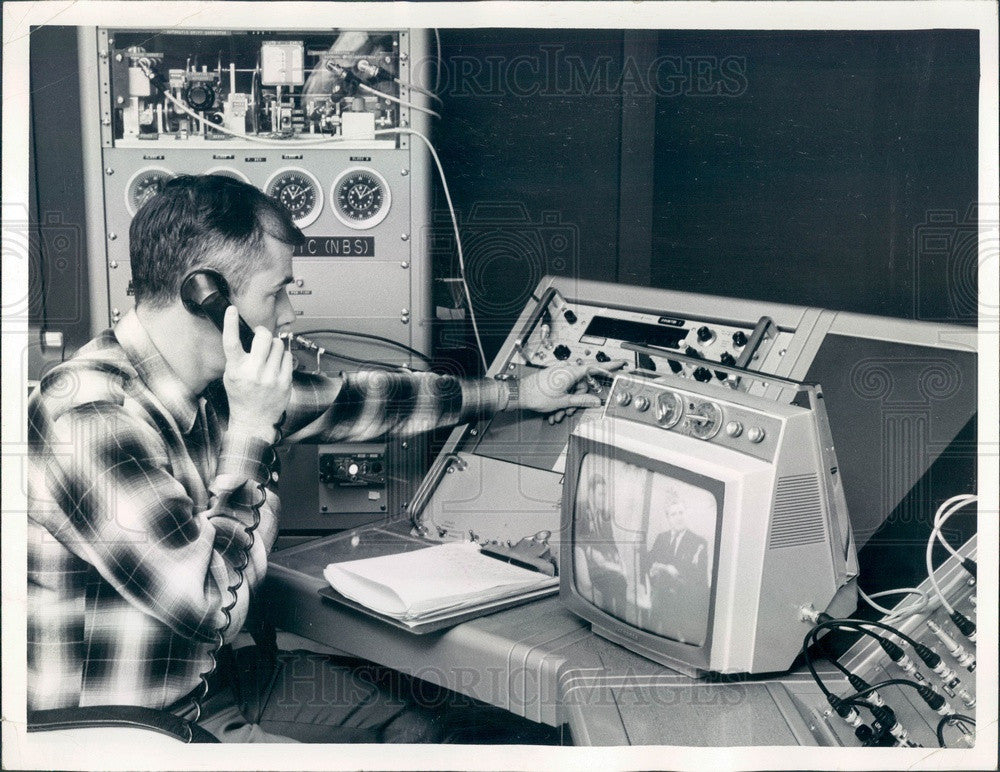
(425, 583)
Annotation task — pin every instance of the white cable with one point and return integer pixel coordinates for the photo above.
(437, 43)
(414, 87)
(454, 224)
(893, 614)
(953, 504)
(402, 102)
(945, 511)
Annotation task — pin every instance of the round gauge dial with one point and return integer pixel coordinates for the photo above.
(145, 184)
(705, 419)
(225, 171)
(360, 198)
(669, 409)
(299, 192)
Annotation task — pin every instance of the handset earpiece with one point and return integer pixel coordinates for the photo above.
(205, 293)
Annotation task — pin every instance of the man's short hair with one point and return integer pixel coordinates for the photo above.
(203, 221)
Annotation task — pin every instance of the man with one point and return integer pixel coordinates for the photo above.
(676, 590)
(150, 509)
(600, 573)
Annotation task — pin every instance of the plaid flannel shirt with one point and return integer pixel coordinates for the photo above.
(138, 503)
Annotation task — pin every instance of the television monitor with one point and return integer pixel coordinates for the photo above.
(700, 524)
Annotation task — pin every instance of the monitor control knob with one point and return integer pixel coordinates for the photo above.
(755, 434)
(623, 398)
(641, 404)
(739, 338)
(705, 334)
(734, 428)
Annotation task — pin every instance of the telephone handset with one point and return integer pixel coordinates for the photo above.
(206, 293)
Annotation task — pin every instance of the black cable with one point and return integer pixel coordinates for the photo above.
(882, 684)
(370, 362)
(240, 570)
(807, 642)
(368, 336)
(858, 622)
(947, 720)
(812, 667)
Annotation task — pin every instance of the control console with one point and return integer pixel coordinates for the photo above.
(664, 402)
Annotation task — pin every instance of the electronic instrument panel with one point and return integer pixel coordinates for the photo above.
(316, 119)
(499, 480)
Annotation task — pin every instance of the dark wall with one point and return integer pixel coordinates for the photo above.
(532, 161)
(813, 181)
(56, 203)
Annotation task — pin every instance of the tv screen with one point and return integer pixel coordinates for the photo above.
(644, 546)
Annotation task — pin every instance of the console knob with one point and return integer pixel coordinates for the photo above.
(739, 338)
(623, 398)
(675, 365)
(734, 428)
(755, 434)
(641, 404)
(705, 334)
(692, 352)
(727, 359)
(561, 352)
(569, 316)
(702, 374)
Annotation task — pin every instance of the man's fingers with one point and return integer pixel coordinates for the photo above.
(231, 334)
(583, 400)
(287, 366)
(607, 369)
(260, 347)
(274, 358)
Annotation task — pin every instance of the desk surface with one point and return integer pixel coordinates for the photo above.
(538, 661)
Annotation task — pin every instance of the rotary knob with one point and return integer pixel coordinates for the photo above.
(623, 398)
(704, 334)
(739, 338)
(756, 434)
(641, 404)
(734, 428)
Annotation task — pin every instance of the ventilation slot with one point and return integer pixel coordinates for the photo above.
(798, 512)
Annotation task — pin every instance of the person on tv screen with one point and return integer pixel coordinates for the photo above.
(677, 585)
(600, 572)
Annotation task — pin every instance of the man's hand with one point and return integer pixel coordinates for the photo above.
(258, 384)
(561, 389)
